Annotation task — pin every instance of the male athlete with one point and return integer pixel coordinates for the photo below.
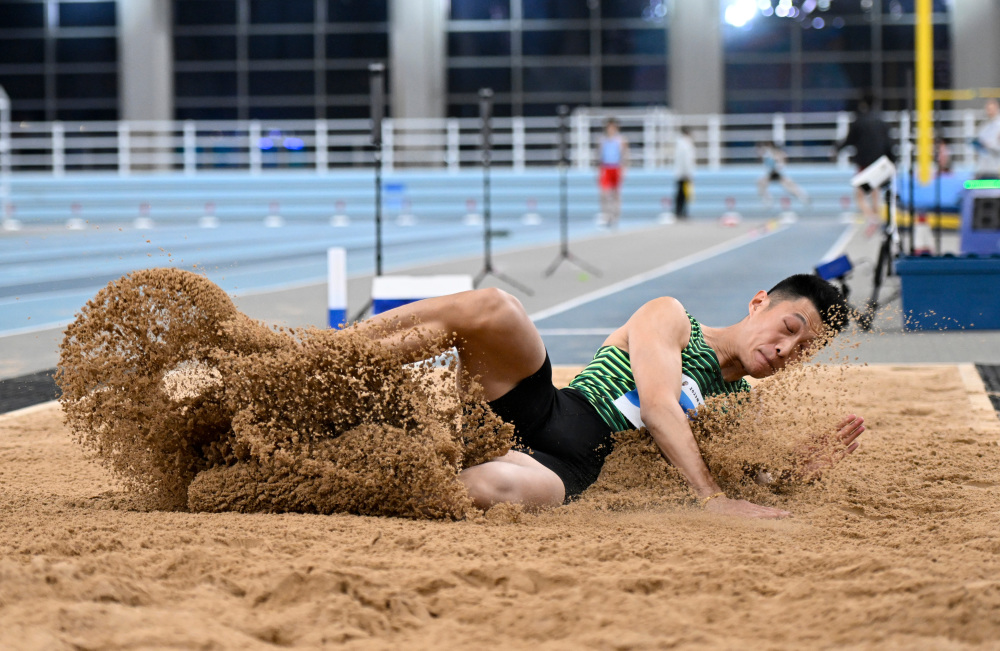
(647, 373)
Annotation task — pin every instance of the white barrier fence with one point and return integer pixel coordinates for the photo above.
(320, 146)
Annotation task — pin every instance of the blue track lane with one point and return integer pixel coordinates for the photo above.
(716, 291)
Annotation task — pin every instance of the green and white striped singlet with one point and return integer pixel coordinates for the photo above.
(608, 385)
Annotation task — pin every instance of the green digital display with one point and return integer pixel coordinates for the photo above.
(983, 184)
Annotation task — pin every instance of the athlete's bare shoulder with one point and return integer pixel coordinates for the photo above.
(662, 319)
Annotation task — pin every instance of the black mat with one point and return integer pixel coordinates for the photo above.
(27, 390)
(991, 378)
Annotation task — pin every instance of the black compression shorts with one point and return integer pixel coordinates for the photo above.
(559, 428)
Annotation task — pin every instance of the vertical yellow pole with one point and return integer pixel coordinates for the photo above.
(924, 88)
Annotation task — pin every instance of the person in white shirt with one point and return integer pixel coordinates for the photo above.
(684, 163)
(987, 143)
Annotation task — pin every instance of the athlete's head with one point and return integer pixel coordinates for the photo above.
(611, 126)
(796, 314)
(992, 107)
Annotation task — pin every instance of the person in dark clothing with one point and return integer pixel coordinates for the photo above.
(869, 136)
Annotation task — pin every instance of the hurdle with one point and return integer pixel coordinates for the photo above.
(9, 222)
(390, 292)
(209, 220)
(143, 222)
(336, 286)
(274, 218)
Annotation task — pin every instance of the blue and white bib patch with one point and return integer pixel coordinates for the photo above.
(690, 399)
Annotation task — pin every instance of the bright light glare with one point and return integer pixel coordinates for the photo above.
(741, 12)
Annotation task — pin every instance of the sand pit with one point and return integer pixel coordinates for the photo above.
(901, 552)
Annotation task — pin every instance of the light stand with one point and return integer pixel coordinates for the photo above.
(485, 115)
(376, 82)
(564, 253)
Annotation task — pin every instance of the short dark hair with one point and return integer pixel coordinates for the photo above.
(825, 297)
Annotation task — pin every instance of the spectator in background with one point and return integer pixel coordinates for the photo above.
(869, 136)
(987, 143)
(613, 155)
(684, 164)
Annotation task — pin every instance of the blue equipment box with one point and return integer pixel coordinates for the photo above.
(981, 221)
(950, 293)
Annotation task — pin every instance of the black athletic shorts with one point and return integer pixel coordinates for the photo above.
(558, 427)
(775, 175)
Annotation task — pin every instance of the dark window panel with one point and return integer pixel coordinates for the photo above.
(357, 46)
(357, 11)
(28, 115)
(845, 8)
(205, 12)
(285, 11)
(500, 110)
(22, 50)
(478, 44)
(902, 38)
(909, 6)
(81, 85)
(634, 78)
(634, 41)
(87, 14)
(834, 75)
(850, 38)
(480, 9)
(281, 46)
(213, 113)
(554, 9)
(542, 110)
(650, 10)
(204, 48)
(759, 106)
(829, 104)
(22, 15)
(557, 79)
(282, 113)
(23, 87)
(282, 82)
(556, 43)
(204, 84)
(346, 112)
(470, 80)
(773, 76)
(759, 35)
(86, 115)
(347, 82)
(78, 50)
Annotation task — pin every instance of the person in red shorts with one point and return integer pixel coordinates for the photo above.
(613, 154)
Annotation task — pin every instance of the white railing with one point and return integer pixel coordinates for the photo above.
(320, 146)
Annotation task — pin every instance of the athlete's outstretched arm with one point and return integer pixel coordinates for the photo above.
(657, 333)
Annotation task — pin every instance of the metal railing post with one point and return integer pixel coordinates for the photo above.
(517, 140)
(581, 135)
(190, 148)
(778, 129)
(387, 145)
(253, 136)
(714, 142)
(58, 149)
(968, 135)
(843, 126)
(649, 141)
(124, 149)
(905, 146)
(322, 144)
(6, 151)
(453, 159)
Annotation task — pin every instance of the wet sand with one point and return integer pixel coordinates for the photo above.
(903, 551)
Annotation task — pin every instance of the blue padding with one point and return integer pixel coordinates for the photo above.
(834, 268)
(380, 305)
(337, 318)
(925, 196)
(950, 293)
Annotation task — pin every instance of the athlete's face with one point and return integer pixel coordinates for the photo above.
(778, 332)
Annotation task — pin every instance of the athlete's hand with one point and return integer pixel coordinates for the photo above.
(825, 450)
(744, 509)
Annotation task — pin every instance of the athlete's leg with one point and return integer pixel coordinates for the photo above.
(493, 334)
(680, 200)
(794, 189)
(515, 478)
(616, 205)
(762, 189)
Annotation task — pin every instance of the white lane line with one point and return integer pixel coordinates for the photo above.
(841, 244)
(670, 267)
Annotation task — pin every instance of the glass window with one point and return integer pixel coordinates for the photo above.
(286, 11)
(81, 85)
(355, 46)
(87, 14)
(213, 113)
(470, 80)
(22, 50)
(86, 115)
(546, 110)
(478, 44)
(554, 9)
(850, 38)
(281, 46)
(898, 37)
(836, 75)
(634, 41)
(204, 84)
(480, 9)
(897, 7)
(544, 79)
(204, 48)
(758, 106)
(357, 11)
(555, 43)
(282, 113)
(77, 50)
(22, 15)
(347, 112)
(282, 82)
(347, 82)
(634, 78)
(759, 35)
(756, 76)
(23, 87)
(650, 10)
(205, 12)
